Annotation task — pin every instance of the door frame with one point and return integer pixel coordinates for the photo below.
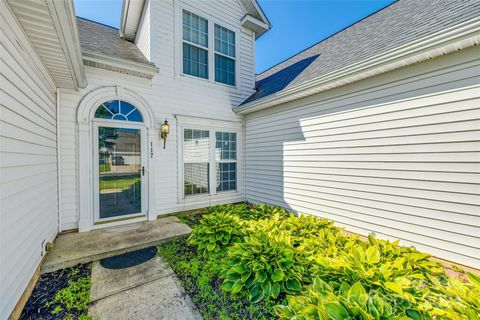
(96, 175)
(85, 145)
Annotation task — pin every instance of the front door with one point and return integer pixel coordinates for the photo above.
(120, 172)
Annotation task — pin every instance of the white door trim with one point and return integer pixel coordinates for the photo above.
(85, 147)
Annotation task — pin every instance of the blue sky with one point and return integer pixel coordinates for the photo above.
(297, 24)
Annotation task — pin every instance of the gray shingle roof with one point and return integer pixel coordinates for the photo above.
(401, 22)
(103, 39)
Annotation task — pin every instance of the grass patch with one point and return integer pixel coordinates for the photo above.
(259, 262)
(200, 278)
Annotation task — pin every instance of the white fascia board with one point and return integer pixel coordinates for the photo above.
(458, 37)
(254, 24)
(149, 70)
(65, 23)
(132, 12)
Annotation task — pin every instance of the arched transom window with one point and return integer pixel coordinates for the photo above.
(118, 110)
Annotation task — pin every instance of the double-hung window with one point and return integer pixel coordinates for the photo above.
(207, 153)
(196, 161)
(195, 45)
(198, 54)
(226, 160)
(224, 55)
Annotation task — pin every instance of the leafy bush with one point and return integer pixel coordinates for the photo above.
(216, 231)
(263, 265)
(249, 212)
(239, 209)
(321, 301)
(265, 211)
(200, 278)
(315, 271)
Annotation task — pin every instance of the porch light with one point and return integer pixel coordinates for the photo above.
(165, 131)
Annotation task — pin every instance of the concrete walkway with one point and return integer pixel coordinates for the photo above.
(73, 248)
(146, 291)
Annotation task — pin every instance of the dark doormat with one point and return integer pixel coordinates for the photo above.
(129, 259)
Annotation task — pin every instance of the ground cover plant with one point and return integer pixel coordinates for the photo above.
(63, 294)
(259, 262)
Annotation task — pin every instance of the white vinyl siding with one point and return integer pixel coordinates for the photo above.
(28, 161)
(168, 94)
(398, 155)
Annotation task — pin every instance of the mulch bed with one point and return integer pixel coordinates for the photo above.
(46, 288)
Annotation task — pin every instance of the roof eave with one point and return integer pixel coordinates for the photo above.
(65, 23)
(458, 37)
(257, 26)
(143, 70)
(132, 12)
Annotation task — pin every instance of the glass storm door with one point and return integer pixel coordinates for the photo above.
(120, 172)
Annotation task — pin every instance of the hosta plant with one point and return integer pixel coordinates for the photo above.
(216, 231)
(239, 209)
(264, 266)
(321, 301)
(265, 211)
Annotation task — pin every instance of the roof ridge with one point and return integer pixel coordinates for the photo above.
(326, 38)
(96, 22)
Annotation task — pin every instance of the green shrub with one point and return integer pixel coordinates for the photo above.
(237, 209)
(321, 301)
(265, 211)
(265, 266)
(249, 212)
(325, 273)
(199, 277)
(216, 231)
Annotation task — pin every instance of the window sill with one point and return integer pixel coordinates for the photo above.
(208, 198)
(213, 83)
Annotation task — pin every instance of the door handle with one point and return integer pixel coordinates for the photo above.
(143, 170)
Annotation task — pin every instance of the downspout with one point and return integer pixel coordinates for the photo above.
(244, 140)
(59, 180)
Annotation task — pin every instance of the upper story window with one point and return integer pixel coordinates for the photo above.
(118, 110)
(195, 45)
(224, 55)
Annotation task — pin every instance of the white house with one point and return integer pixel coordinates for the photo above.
(376, 127)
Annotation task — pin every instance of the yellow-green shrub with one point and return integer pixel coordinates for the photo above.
(263, 265)
(321, 301)
(216, 231)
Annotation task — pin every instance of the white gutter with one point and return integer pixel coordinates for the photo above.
(461, 36)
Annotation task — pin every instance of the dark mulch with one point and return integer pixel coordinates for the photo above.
(129, 259)
(46, 288)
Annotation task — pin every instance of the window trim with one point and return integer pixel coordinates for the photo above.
(234, 58)
(210, 50)
(212, 125)
(226, 160)
(196, 45)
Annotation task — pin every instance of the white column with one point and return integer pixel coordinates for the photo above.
(153, 135)
(85, 207)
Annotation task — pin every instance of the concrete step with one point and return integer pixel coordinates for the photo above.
(74, 248)
(107, 282)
